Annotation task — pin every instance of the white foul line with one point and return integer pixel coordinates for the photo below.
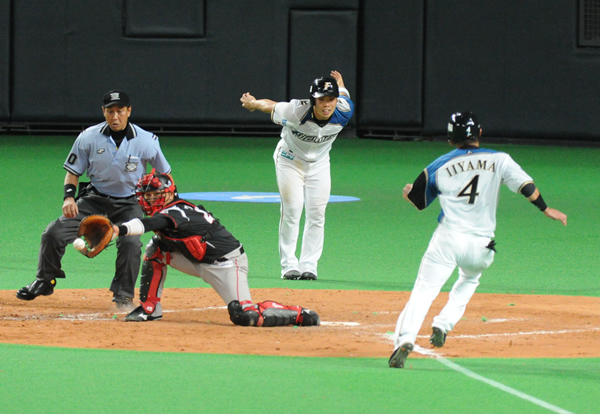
(493, 383)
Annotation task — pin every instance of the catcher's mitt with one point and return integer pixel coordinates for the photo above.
(97, 232)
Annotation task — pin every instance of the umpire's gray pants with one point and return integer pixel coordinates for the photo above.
(64, 230)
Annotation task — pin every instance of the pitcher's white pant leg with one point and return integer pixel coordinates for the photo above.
(475, 258)
(290, 180)
(317, 191)
(437, 266)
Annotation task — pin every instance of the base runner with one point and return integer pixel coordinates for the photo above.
(467, 182)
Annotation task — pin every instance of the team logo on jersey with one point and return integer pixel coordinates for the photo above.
(131, 166)
(284, 122)
(287, 155)
(101, 151)
(312, 138)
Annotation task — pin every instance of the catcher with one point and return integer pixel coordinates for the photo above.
(188, 238)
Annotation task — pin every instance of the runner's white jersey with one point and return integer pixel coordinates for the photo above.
(301, 134)
(468, 183)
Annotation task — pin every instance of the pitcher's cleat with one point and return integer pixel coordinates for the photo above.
(308, 276)
(292, 275)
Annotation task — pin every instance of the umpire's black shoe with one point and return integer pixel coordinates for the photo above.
(123, 302)
(308, 276)
(36, 288)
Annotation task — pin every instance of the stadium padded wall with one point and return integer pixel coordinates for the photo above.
(4, 60)
(194, 75)
(516, 64)
(408, 65)
(306, 43)
(390, 93)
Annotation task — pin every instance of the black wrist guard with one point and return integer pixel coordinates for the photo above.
(70, 190)
(540, 203)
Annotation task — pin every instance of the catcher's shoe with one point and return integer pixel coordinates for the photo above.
(309, 318)
(123, 302)
(292, 275)
(399, 356)
(139, 315)
(438, 337)
(308, 276)
(36, 288)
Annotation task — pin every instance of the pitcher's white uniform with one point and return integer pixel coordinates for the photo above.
(468, 182)
(303, 177)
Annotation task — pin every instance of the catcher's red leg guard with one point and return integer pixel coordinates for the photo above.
(154, 273)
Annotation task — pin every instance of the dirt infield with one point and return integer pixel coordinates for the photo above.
(354, 324)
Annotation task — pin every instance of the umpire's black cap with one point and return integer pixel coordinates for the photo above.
(115, 97)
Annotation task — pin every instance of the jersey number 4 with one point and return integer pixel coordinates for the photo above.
(470, 190)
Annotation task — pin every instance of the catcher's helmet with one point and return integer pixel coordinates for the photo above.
(326, 86)
(152, 183)
(463, 126)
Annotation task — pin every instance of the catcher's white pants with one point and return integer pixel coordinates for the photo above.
(301, 184)
(447, 249)
(229, 278)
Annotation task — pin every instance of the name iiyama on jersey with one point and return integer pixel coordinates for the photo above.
(464, 166)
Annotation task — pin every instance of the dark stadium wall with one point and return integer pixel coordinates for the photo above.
(390, 87)
(408, 65)
(68, 54)
(4, 61)
(516, 64)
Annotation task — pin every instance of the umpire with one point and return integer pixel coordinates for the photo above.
(114, 156)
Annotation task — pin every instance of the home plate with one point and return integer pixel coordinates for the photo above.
(340, 323)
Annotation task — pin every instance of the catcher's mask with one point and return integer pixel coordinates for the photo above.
(326, 86)
(153, 191)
